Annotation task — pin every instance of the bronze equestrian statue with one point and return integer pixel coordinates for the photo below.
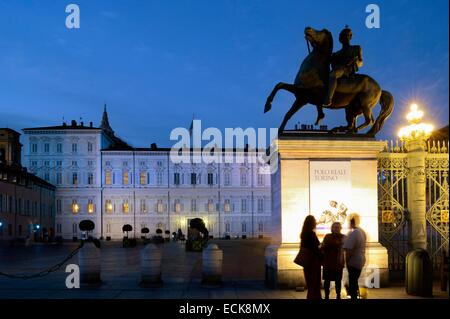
(357, 93)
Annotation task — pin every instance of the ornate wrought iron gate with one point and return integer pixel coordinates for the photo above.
(392, 202)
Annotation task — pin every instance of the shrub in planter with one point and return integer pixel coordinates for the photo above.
(260, 236)
(87, 226)
(227, 237)
(74, 238)
(167, 235)
(144, 231)
(127, 228)
(128, 242)
(108, 238)
(244, 236)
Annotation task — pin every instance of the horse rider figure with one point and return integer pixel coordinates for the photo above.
(344, 63)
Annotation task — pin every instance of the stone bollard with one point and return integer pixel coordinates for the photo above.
(90, 263)
(419, 273)
(150, 266)
(212, 258)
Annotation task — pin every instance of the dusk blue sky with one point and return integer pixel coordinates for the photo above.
(155, 63)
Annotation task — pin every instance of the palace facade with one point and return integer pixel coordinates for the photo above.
(100, 177)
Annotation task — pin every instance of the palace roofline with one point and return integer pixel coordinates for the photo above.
(167, 149)
(62, 127)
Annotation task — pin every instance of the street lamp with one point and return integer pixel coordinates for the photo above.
(416, 130)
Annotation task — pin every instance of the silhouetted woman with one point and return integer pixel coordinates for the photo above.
(333, 259)
(309, 243)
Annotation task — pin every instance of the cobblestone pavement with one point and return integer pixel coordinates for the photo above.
(243, 274)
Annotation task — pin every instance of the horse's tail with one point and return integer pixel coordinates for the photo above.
(387, 106)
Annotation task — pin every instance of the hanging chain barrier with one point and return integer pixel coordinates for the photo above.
(47, 271)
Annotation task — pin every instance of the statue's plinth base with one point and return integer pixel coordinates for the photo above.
(283, 273)
(312, 172)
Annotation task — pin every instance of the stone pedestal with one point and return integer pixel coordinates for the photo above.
(314, 171)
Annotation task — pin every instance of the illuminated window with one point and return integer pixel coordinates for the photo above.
(177, 206)
(108, 177)
(210, 205)
(142, 178)
(108, 206)
(143, 206)
(90, 207)
(227, 206)
(75, 207)
(159, 206)
(125, 178)
(125, 207)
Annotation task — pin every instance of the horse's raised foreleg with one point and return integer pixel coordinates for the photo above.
(294, 108)
(279, 86)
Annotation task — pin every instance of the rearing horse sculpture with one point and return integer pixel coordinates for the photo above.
(358, 94)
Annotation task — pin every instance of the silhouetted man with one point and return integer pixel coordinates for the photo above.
(355, 251)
